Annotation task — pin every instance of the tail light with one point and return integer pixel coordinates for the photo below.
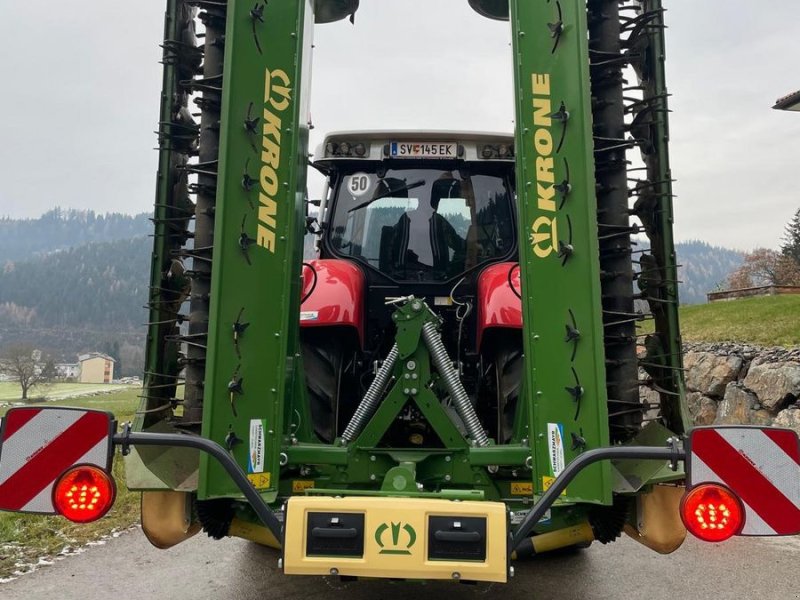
(84, 493)
(712, 512)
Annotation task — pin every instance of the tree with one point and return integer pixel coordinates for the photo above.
(20, 364)
(791, 239)
(765, 267)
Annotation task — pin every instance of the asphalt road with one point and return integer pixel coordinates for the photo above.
(128, 568)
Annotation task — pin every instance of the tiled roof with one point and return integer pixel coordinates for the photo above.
(90, 355)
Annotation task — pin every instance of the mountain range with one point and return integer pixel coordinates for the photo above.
(76, 281)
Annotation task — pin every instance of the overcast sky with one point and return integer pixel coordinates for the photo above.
(80, 87)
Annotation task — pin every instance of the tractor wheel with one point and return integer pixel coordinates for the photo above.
(323, 360)
(509, 371)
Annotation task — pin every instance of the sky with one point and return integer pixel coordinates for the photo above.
(80, 87)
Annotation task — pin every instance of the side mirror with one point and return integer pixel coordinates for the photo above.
(309, 203)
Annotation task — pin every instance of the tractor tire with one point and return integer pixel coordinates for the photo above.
(509, 370)
(323, 362)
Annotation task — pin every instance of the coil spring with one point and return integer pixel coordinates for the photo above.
(369, 403)
(453, 384)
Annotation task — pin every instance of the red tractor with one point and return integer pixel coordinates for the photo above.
(424, 214)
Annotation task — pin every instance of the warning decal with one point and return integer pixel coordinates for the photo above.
(39, 444)
(555, 446)
(760, 465)
(255, 463)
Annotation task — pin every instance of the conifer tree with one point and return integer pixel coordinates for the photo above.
(791, 239)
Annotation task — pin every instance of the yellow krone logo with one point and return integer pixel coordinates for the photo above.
(544, 236)
(277, 99)
(544, 229)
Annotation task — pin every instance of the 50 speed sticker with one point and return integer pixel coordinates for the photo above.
(358, 184)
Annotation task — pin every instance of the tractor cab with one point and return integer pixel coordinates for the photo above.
(428, 214)
(419, 208)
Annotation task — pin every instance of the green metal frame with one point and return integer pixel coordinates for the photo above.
(558, 244)
(161, 360)
(659, 222)
(253, 350)
(254, 379)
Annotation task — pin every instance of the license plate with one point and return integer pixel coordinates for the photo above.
(424, 150)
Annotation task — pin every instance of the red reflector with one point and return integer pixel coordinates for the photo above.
(712, 512)
(84, 493)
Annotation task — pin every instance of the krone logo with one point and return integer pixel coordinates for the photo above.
(544, 236)
(277, 98)
(396, 547)
(276, 89)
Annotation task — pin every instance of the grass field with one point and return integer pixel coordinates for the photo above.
(28, 539)
(10, 391)
(764, 321)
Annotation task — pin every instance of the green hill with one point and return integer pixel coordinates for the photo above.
(81, 299)
(763, 321)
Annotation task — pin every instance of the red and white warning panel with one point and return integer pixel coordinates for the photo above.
(37, 445)
(760, 465)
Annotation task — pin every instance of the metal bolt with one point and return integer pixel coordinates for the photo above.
(373, 458)
(283, 459)
(294, 441)
(373, 477)
(414, 391)
(414, 376)
(407, 376)
(280, 563)
(448, 458)
(406, 391)
(416, 306)
(334, 571)
(456, 575)
(492, 468)
(411, 365)
(447, 478)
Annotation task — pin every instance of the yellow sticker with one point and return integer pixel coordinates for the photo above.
(298, 485)
(260, 481)
(548, 481)
(521, 488)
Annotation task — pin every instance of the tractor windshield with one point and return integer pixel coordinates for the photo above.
(421, 224)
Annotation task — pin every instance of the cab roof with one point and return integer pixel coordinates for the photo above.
(401, 135)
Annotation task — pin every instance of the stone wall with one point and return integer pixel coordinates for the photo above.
(734, 383)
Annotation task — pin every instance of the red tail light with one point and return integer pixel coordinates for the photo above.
(712, 512)
(84, 493)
